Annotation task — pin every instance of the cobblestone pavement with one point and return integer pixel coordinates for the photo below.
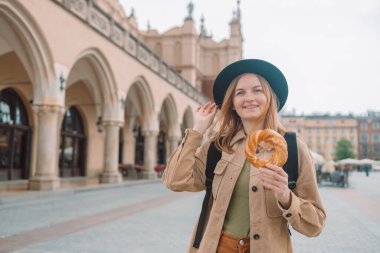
(149, 218)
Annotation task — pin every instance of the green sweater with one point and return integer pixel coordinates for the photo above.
(237, 221)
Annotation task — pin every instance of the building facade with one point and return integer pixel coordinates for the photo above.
(322, 132)
(82, 91)
(196, 56)
(369, 136)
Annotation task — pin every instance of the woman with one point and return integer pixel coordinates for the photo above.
(251, 207)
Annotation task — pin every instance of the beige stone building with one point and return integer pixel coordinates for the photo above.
(197, 57)
(82, 90)
(322, 132)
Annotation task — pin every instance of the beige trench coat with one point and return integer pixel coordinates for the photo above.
(268, 221)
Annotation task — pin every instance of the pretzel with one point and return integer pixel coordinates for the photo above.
(264, 141)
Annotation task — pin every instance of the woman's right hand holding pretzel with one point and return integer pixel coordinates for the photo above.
(204, 116)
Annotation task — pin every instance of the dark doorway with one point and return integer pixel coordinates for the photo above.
(73, 145)
(161, 148)
(139, 151)
(15, 136)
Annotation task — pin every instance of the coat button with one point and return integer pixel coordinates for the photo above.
(254, 188)
(288, 215)
(256, 237)
(241, 242)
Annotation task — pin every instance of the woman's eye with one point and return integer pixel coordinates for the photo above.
(258, 90)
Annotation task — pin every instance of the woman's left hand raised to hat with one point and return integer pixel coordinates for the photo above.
(204, 115)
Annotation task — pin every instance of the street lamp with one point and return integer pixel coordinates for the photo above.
(99, 125)
(61, 82)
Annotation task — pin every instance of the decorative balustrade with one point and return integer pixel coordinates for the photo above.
(94, 16)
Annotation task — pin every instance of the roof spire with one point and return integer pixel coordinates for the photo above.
(132, 12)
(190, 9)
(203, 32)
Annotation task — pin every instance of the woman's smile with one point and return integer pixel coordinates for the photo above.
(249, 107)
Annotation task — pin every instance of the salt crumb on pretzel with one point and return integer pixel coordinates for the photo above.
(264, 141)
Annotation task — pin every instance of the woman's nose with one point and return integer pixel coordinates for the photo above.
(249, 96)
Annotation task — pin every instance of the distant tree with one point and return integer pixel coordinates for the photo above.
(344, 149)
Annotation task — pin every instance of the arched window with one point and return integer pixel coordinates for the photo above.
(73, 145)
(15, 136)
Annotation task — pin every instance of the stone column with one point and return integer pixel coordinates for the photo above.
(173, 144)
(48, 135)
(129, 141)
(150, 153)
(175, 135)
(111, 173)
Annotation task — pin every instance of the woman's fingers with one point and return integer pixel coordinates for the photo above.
(274, 174)
(273, 181)
(273, 187)
(204, 117)
(273, 178)
(277, 169)
(207, 108)
(214, 107)
(211, 108)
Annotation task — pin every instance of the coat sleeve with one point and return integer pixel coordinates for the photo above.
(306, 213)
(185, 170)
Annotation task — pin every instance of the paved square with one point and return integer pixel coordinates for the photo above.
(149, 218)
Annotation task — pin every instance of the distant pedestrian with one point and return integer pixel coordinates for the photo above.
(250, 207)
(366, 169)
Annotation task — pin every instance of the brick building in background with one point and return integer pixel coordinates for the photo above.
(369, 136)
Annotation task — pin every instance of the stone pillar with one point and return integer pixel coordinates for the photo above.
(48, 135)
(173, 144)
(111, 173)
(175, 135)
(129, 141)
(150, 153)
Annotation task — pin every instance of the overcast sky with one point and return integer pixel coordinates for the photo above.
(329, 50)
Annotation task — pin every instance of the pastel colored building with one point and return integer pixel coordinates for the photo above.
(83, 90)
(322, 132)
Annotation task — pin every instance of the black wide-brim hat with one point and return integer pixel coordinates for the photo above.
(265, 69)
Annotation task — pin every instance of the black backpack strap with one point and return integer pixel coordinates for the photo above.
(291, 165)
(213, 156)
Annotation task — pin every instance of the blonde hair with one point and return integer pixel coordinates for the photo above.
(231, 122)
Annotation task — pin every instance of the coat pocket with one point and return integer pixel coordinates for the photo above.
(273, 211)
(218, 176)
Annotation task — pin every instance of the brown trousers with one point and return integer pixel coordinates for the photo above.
(231, 244)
